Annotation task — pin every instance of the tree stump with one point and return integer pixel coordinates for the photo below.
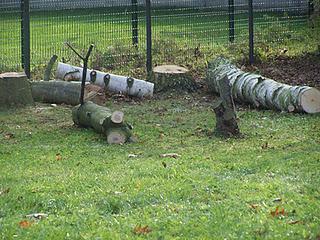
(15, 90)
(166, 77)
(226, 118)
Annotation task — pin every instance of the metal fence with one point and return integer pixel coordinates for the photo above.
(123, 31)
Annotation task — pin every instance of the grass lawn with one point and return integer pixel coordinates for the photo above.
(217, 189)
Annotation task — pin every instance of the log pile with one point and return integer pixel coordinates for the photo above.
(263, 92)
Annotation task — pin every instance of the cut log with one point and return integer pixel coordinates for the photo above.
(167, 77)
(263, 92)
(111, 82)
(15, 90)
(226, 118)
(66, 92)
(103, 121)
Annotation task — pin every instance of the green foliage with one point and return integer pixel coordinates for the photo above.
(217, 189)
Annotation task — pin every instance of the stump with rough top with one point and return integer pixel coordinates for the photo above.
(15, 90)
(168, 77)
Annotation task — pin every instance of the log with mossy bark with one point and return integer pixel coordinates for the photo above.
(263, 92)
(104, 121)
(65, 92)
(111, 82)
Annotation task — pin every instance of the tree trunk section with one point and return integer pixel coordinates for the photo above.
(103, 121)
(226, 118)
(66, 92)
(263, 92)
(15, 90)
(111, 82)
(168, 77)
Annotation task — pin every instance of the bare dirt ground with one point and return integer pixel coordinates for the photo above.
(303, 70)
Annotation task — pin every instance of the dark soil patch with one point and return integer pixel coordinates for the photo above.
(302, 70)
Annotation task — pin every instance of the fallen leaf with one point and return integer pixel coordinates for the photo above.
(141, 230)
(58, 157)
(8, 136)
(37, 215)
(170, 155)
(4, 191)
(277, 213)
(25, 224)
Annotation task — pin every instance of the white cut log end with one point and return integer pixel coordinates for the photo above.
(117, 117)
(115, 137)
(310, 100)
(170, 69)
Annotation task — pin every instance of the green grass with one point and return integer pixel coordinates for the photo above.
(110, 30)
(217, 189)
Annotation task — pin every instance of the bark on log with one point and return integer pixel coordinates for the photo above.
(65, 92)
(167, 77)
(226, 118)
(47, 72)
(263, 92)
(15, 90)
(111, 82)
(103, 121)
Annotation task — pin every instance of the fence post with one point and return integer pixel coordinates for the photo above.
(134, 22)
(149, 36)
(251, 32)
(25, 36)
(231, 20)
(310, 8)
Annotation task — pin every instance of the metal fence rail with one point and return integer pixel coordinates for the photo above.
(124, 31)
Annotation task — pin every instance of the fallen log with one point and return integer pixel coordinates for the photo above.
(226, 118)
(111, 82)
(104, 121)
(65, 92)
(263, 92)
